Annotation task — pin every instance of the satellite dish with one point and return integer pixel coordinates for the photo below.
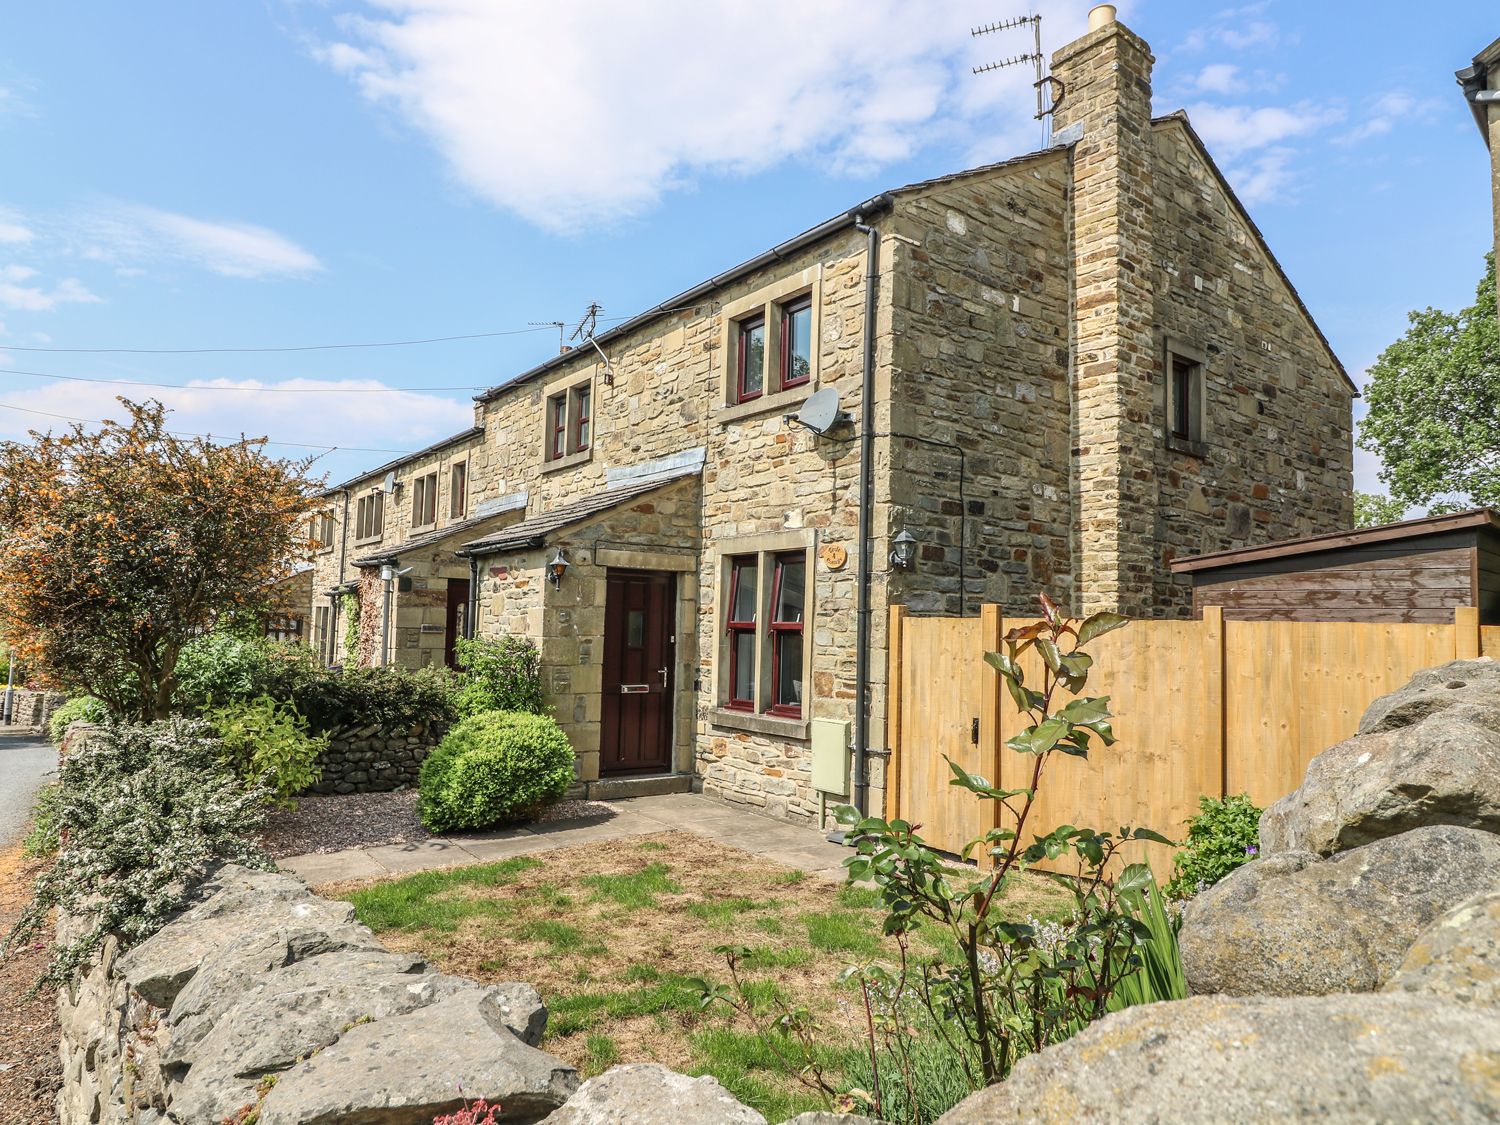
(389, 484)
(820, 413)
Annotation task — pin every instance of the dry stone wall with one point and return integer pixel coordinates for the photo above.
(30, 710)
(371, 759)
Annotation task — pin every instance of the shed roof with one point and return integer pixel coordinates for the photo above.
(533, 532)
(1362, 537)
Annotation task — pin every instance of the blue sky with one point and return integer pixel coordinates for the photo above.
(285, 173)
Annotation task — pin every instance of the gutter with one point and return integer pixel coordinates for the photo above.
(851, 218)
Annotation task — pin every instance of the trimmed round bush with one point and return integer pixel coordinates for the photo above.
(497, 767)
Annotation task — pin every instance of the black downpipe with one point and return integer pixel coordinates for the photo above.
(471, 618)
(866, 503)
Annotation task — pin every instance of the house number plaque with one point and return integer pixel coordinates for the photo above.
(835, 555)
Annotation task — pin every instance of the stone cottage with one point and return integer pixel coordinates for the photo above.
(1481, 86)
(1055, 373)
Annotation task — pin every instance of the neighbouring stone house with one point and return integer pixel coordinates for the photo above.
(1481, 86)
(1055, 373)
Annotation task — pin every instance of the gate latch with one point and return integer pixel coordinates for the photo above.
(974, 731)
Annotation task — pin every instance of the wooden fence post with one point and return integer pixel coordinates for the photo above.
(895, 672)
(1213, 621)
(1466, 641)
(992, 701)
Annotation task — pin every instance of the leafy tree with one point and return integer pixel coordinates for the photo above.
(1434, 400)
(120, 545)
(1371, 509)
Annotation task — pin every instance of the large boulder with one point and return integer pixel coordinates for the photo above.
(1383, 1057)
(1458, 956)
(1468, 690)
(409, 1068)
(1295, 924)
(1444, 769)
(649, 1094)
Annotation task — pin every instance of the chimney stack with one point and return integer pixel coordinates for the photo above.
(1106, 111)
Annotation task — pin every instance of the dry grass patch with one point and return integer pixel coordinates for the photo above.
(612, 933)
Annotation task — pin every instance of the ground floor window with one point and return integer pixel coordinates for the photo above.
(764, 655)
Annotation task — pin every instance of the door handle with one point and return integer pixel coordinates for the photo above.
(662, 672)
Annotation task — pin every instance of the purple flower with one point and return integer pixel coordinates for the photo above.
(1251, 849)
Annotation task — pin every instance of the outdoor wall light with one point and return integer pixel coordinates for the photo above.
(557, 568)
(903, 549)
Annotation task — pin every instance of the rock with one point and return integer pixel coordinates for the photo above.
(1468, 690)
(1441, 770)
(1458, 956)
(522, 1010)
(412, 1067)
(650, 1094)
(220, 983)
(1311, 1058)
(287, 1014)
(1294, 924)
(237, 902)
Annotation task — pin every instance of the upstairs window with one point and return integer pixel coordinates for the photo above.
(458, 490)
(569, 422)
(796, 342)
(369, 516)
(424, 500)
(320, 530)
(751, 383)
(1184, 398)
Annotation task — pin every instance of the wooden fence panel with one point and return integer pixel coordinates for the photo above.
(942, 661)
(1295, 688)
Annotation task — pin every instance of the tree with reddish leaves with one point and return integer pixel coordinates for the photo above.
(120, 544)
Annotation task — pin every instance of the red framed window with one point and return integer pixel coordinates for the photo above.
(788, 600)
(582, 406)
(740, 627)
(557, 426)
(796, 342)
(750, 382)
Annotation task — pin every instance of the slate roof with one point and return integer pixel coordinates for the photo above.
(429, 539)
(533, 532)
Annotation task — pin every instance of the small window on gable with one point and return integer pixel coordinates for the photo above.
(570, 422)
(1184, 398)
(751, 381)
(458, 490)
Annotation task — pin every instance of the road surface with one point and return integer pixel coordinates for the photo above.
(25, 763)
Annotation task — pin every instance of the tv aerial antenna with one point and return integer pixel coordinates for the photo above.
(1049, 91)
(561, 326)
(583, 332)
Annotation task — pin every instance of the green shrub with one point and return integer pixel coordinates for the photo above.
(79, 709)
(494, 768)
(42, 840)
(499, 675)
(219, 668)
(149, 811)
(1224, 835)
(266, 744)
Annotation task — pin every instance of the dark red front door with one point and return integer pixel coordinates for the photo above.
(636, 732)
(455, 624)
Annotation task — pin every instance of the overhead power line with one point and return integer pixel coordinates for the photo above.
(242, 390)
(212, 437)
(293, 348)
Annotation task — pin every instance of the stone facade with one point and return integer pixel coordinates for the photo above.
(371, 759)
(1027, 316)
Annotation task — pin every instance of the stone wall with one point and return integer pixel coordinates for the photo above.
(263, 996)
(30, 710)
(370, 759)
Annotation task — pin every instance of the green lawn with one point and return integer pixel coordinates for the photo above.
(612, 934)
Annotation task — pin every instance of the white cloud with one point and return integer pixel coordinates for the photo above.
(13, 228)
(322, 415)
(1232, 130)
(575, 114)
(1388, 111)
(16, 293)
(123, 232)
(1218, 78)
(1236, 28)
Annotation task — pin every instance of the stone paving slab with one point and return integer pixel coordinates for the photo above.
(777, 840)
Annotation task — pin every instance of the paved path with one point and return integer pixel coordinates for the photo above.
(776, 840)
(24, 765)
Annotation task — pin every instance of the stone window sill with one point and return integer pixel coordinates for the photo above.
(369, 540)
(772, 725)
(1188, 446)
(423, 528)
(558, 464)
(783, 401)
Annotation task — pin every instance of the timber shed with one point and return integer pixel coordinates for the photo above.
(1417, 571)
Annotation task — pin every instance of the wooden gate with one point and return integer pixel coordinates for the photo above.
(1204, 707)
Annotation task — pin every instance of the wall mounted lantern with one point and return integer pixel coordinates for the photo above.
(557, 568)
(903, 550)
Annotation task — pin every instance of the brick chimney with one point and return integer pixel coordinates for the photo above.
(1106, 106)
